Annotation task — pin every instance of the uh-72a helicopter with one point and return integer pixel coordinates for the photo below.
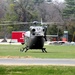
(35, 37)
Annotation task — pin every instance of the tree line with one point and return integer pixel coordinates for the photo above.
(34, 10)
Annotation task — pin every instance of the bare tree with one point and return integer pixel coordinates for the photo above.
(51, 12)
(2, 11)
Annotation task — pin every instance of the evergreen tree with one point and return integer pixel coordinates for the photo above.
(69, 16)
(69, 11)
(52, 30)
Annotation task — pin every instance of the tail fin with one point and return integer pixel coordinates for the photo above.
(41, 22)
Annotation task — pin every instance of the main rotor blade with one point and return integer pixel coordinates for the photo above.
(51, 23)
(35, 22)
(16, 23)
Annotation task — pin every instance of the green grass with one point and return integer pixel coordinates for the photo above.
(54, 51)
(37, 70)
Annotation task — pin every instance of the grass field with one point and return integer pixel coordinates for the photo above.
(37, 70)
(54, 51)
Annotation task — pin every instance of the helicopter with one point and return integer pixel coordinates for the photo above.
(34, 39)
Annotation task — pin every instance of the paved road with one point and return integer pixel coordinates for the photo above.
(34, 61)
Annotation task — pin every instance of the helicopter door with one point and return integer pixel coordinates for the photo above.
(27, 37)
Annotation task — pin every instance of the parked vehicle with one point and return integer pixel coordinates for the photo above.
(18, 36)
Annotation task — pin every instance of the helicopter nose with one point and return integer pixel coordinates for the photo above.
(40, 34)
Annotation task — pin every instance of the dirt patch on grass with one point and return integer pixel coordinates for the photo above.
(16, 57)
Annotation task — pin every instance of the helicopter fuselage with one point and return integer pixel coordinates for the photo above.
(36, 42)
(34, 39)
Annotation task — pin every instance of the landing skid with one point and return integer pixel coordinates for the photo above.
(26, 49)
(44, 50)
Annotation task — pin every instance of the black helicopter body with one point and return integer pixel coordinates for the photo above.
(36, 42)
(34, 39)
